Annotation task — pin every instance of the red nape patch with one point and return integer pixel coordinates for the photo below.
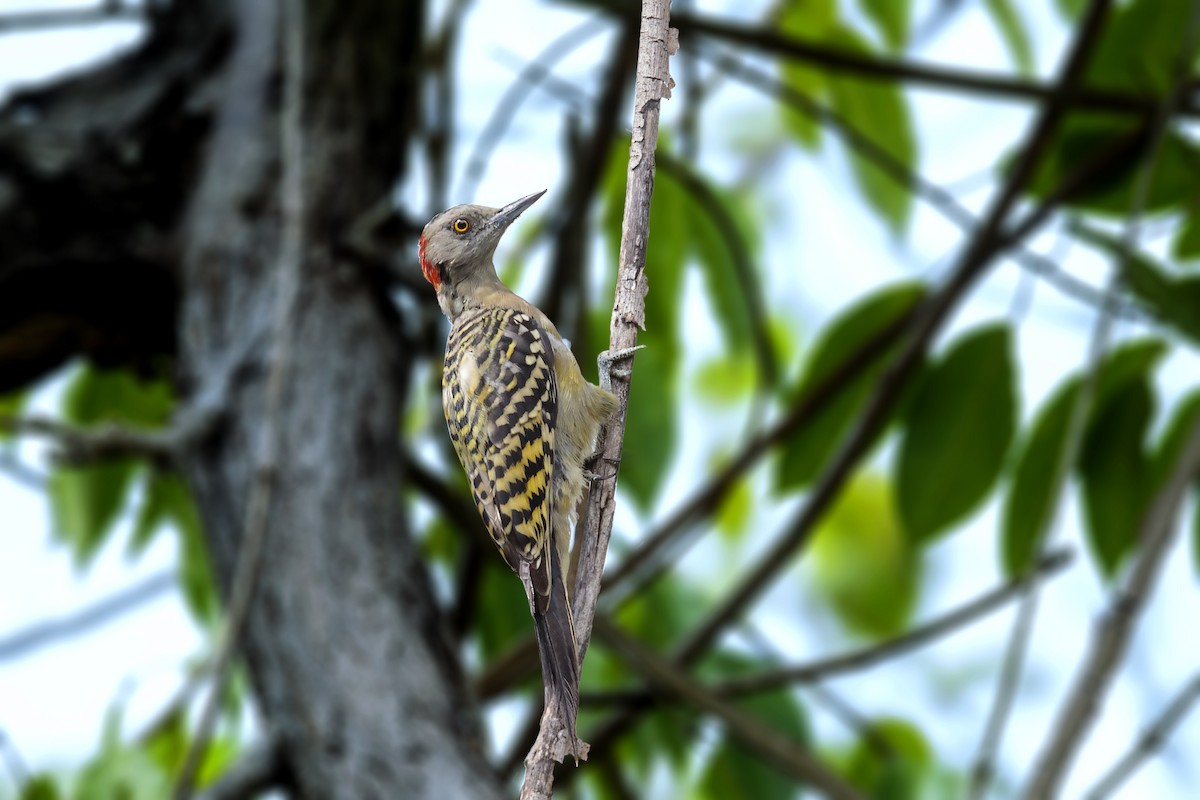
(431, 271)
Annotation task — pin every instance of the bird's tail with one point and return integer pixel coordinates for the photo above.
(560, 659)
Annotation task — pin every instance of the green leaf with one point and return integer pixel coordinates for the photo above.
(96, 395)
(1012, 29)
(1026, 513)
(882, 109)
(40, 787)
(862, 564)
(896, 774)
(11, 406)
(731, 772)
(1187, 241)
(501, 611)
(1175, 301)
(86, 501)
(891, 17)
(167, 500)
(1071, 9)
(650, 425)
(956, 433)
(809, 20)
(1115, 474)
(808, 449)
(724, 381)
(1196, 529)
(721, 247)
(664, 611)
(1109, 191)
(1140, 47)
(735, 511)
(1174, 439)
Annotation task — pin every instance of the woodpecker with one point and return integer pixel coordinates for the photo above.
(522, 419)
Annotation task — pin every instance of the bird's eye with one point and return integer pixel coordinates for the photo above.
(460, 225)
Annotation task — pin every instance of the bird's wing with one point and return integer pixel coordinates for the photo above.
(500, 399)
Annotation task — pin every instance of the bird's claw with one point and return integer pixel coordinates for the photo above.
(605, 362)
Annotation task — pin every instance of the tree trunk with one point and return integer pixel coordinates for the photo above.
(344, 642)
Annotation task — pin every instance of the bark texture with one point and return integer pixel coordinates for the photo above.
(140, 217)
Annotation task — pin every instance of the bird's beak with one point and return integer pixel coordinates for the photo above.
(505, 216)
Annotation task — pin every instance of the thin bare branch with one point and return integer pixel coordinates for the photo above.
(1107, 648)
(14, 764)
(652, 85)
(866, 657)
(938, 197)
(48, 632)
(788, 756)
(505, 112)
(988, 241)
(1152, 740)
(749, 279)
(1081, 410)
(290, 17)
(44, 20)
(77, 446)
(766, 39)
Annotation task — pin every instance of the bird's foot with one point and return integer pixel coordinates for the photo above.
(605, 363)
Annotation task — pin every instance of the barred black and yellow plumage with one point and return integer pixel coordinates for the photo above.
(501, 403)
(523, 420)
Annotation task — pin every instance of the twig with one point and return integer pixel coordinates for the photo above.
(85, 445)
(1081, 409)
(564, 298)
(852, 719)
(656, 552)
(764, 39)
(527, 80)
(749, 280)
(258, 769)
(25, 475)
(459, 510)
(866, 657)
(1150, 742)
(977, 256)
(439, 133)
(42, 634)
(1107, 648)
(289, 271)
(13, 762)
(788, 756)
(987, 242)
(938, 197)
(653, 85)
(106, 11)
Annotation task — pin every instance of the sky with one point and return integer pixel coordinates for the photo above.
(52, 701)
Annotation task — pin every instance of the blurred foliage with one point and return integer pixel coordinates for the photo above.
(863, 563)
(956, 441)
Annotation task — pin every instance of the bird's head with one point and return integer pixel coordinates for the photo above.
(458, 244)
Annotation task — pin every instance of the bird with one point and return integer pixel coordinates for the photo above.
(523, 421)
